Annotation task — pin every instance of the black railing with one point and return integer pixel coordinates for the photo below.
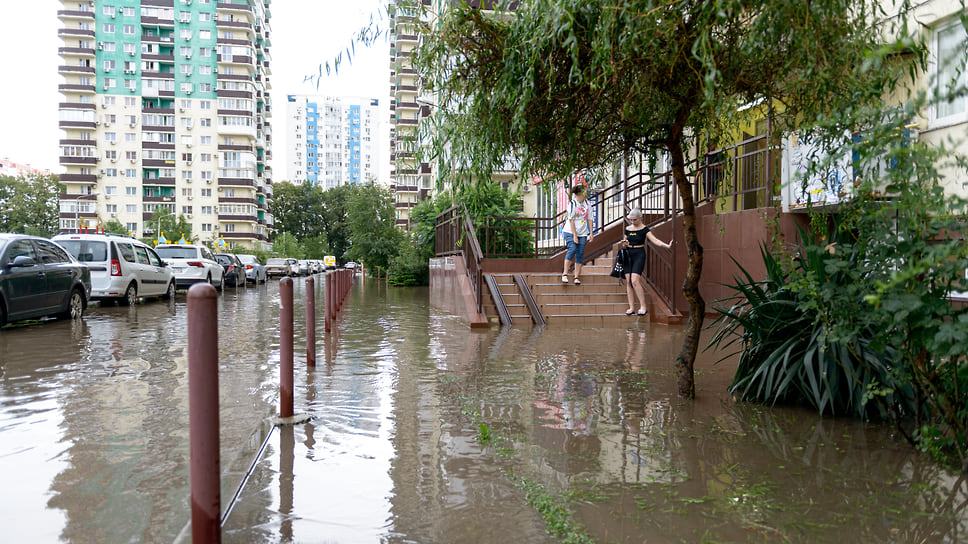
(736, 178)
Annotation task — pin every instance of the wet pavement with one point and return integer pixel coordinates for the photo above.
(423, 430)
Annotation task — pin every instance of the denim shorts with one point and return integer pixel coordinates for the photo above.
(576, 250)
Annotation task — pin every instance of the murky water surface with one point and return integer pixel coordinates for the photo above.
(426, 431)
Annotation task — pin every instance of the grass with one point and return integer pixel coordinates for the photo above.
(558, 518)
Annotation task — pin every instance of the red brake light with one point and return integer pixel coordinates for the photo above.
(115, 267)
(196, 264)
(231, 266)
(248, 267)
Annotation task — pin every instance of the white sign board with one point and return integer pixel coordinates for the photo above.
(820, 188)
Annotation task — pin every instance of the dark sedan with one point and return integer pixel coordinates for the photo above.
(39, 278)
(234, 269)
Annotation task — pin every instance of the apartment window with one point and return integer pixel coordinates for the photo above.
(186, 140)
(205, 104)
(186, 157)
(130, 137)
(230, 227)
(131, 191)
(111, 155)
(205, 52)
(204, 17)
(111, 190)
(206, 227)
(110, 136)
(185, 121)
(130, 84)
(128, 30)
(110, 82)
(186, 210)
(129, 48)
(185, 104)
(205, 34)
(108, 28)
(128, 12)
(207, 174)
(187, 174)
(206, 192)
(186, 69)
(185, 51)
(205, 157)
(205, 122)
(186, 191)
(205, 87)
(952, 74)
(205, 140)
(131, 173)
(130, 101)
(109, 47)
(111, 173)
(111, 208)
(108, 10)
(207, 210)
(230, 192)
(108, 65)
(186, 34)
(186, 87)
(132, 227)
(205, 70)
(184, 16)
(131, 155)
(131, 208)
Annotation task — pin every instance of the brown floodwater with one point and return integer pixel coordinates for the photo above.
(423, 430)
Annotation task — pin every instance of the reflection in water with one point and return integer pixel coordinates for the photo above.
(94, 423)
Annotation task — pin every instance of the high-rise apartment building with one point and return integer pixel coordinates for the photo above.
(166, 105)
(410, 178)
(332, 141)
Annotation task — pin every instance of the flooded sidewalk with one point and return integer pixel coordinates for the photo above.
(426, 431)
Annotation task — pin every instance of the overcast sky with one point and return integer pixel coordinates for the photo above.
(303, 35)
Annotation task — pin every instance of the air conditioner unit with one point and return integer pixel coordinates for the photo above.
(107, 123)
(134, 161)
(189, 163)
(107, 197)
(188, 145)
(131, 53)
(114, 214)
(189, 180)
(189, 197)
(189, 127)
(100, 45)
(102, 172)
(132, 124)
(98, 123)
(104, 88)
(182, 110)
(526, 188)
(208, 181)
(114, 142)
(215, 70)
(114, 160)
(188, 215)
(220, 189)
(188, 92)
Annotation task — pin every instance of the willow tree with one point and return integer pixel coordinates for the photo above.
(569, 84)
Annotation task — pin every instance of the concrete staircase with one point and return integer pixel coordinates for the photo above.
(600, 301)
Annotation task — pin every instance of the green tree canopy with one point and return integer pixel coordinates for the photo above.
(30, 205)
(570, 84)
(372, 225)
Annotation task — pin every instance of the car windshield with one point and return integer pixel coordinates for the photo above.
(247, 258)
(276, 261)
(176, 252)
(86, 251)
(223, 259)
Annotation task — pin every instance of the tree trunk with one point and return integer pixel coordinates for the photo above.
(690, 285)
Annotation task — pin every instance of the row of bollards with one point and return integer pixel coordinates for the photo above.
(205, 470)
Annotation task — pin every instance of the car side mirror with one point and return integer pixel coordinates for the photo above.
(22, 261)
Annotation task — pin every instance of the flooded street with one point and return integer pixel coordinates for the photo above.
(426, 431)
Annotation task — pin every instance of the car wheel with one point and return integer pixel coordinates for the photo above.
(130, 295)
(221, 284)
(75, 306)
(170, 293)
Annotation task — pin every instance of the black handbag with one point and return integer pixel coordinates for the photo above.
(620, 268)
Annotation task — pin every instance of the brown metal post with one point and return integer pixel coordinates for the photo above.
(310, 321)
(327, 300)
(205, 471)
(339, 291)
(285, 347)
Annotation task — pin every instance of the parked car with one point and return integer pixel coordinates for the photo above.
(351, 265)
(280, 267)
(39, 278)
(255, 271)
(234, 270)
(304, 267)
(122, 268)
(192, 264)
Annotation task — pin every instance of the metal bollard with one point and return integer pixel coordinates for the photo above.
(327, 300)
(205, 468)
(310, 321)
(285, 348)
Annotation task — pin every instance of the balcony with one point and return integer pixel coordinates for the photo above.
(75, 33)
(73, 14)
(75, 51)
(78, 178)
(76, 69)
(88, 125)
(75, 106)
(83, 161)
(245, 8)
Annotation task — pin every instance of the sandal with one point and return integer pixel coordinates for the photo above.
(630, 311)
(564, 278)
(643, 311)
(577, 281)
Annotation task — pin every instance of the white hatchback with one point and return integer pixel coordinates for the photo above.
(123, 269)
(192, 264)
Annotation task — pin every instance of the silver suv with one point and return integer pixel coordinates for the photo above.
(123, 269)
(192, 264)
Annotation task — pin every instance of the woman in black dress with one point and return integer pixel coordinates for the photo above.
(636, 235)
